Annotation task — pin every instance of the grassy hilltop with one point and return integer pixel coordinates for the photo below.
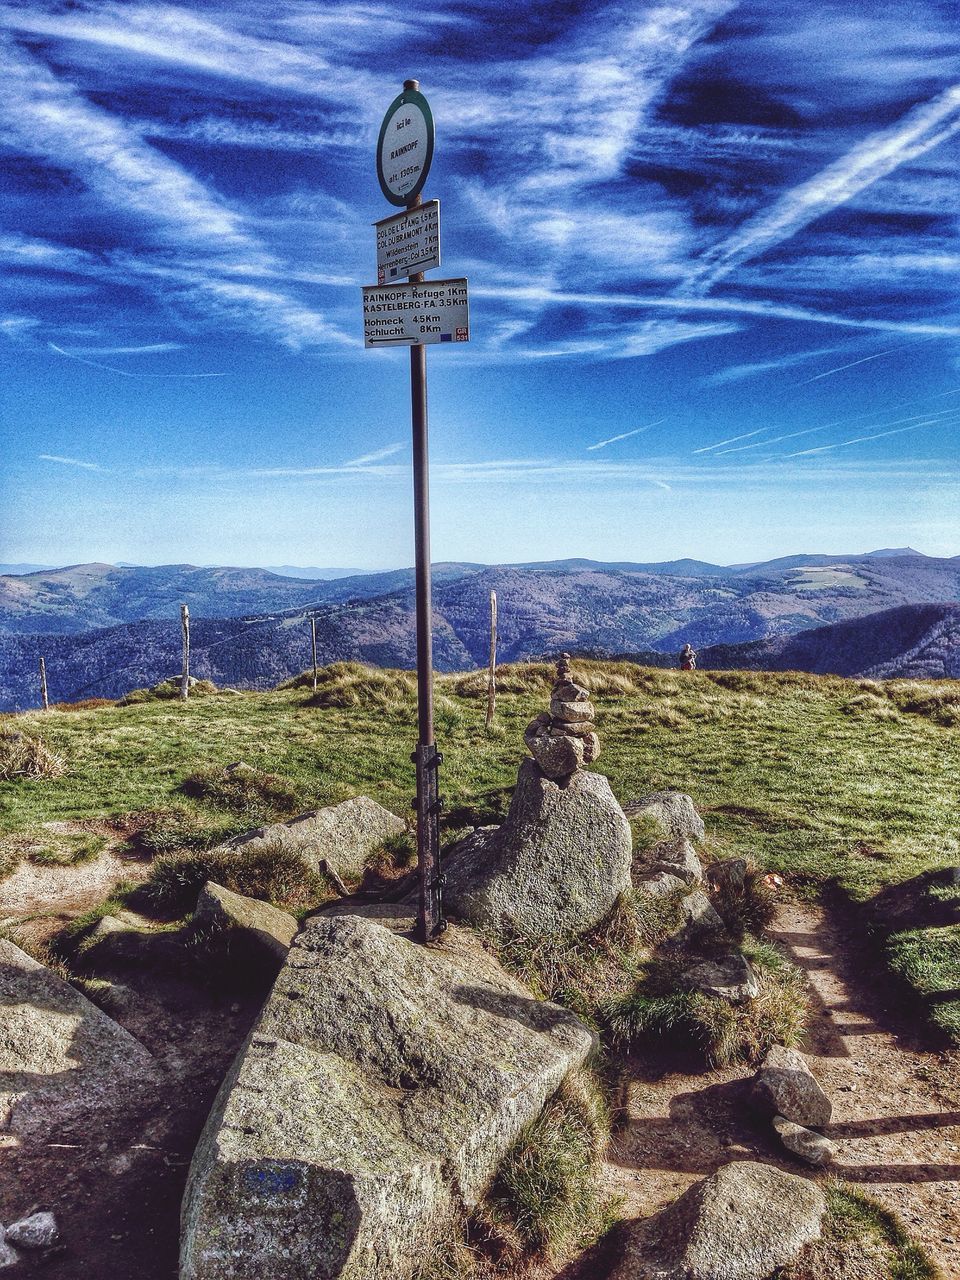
(828, 781)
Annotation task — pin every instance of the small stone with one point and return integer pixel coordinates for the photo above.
(729, 875)
(812, 1147)
(679, 858)
(660, 884)
(700, 918)
(786, 1086)
(557, 757)
(729, 978)
(38, 1231)
(568, 691)
(571, 712)
(560, 729)
(591, 748)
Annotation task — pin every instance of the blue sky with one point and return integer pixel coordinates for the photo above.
(712, 251)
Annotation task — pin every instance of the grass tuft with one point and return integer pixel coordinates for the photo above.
(242, 789)
(274, 875)
(662, 1004)
(545, 1196)
(24, 755)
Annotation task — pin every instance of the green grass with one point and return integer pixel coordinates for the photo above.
(545, 1197)
(860, 1238)
(929, 961)
(662, 1005)
(781, 772)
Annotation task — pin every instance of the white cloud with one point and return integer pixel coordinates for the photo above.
(70, 462)
(922, 129)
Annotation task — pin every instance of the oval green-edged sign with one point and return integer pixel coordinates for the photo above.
(405, 147)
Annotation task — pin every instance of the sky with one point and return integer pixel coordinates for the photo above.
(712, 256)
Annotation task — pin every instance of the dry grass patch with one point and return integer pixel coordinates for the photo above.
(274, 875)
(25, 755)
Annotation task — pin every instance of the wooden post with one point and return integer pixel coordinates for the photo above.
(43, 685)
(313, 645)
(492, 677)
(185, 677)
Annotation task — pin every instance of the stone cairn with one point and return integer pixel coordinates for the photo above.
(564, 738)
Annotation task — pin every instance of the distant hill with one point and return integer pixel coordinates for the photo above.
(84, 597)
(743, 620)
(920, 641)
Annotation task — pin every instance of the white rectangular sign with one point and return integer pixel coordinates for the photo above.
(408, 242)
(410, 315)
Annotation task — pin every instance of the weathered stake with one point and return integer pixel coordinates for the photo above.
(185, 677)
(313, 646)
(492, 677)
(43, 685)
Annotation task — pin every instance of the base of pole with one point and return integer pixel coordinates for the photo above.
(430, 921)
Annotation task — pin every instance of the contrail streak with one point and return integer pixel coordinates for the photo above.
(602, 444)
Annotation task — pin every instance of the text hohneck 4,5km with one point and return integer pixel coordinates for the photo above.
(415, 314)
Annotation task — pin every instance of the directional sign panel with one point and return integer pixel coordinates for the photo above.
(410, 315)
(408, 242)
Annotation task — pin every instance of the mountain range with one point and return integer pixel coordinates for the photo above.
(104, 629)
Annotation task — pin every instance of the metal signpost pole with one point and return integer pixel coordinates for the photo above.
(426, 757)
(415, 314)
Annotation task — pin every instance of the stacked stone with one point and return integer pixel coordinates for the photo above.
(564, 739)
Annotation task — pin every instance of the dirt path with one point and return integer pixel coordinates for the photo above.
(896, 1114)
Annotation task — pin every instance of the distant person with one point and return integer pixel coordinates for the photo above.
(688, 658)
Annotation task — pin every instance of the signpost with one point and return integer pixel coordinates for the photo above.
(414, 315)
(404, 315)
(408, 242)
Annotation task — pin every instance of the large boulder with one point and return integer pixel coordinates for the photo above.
(673, 812)
(786, 1086)
(380, 1089)
(742, 1223)
(64, 1065)
(264, 929)
(556, 866)
(339, 838)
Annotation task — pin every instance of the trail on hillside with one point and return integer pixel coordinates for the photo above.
(896, 1117)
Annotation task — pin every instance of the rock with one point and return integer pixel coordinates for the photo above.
(785, 1086)
(268, 930)
(742, 1223)
(343, 835)
(660, 884)
(673, 811)
(700, 919)
(728, 876)
(556, 756)
(377, 1094)
(556, 866)
(812, 1147)
(8, 1255)
(728, 978)
(64, 1065)
(572, 712)
(679, 858)
(38, 1231)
